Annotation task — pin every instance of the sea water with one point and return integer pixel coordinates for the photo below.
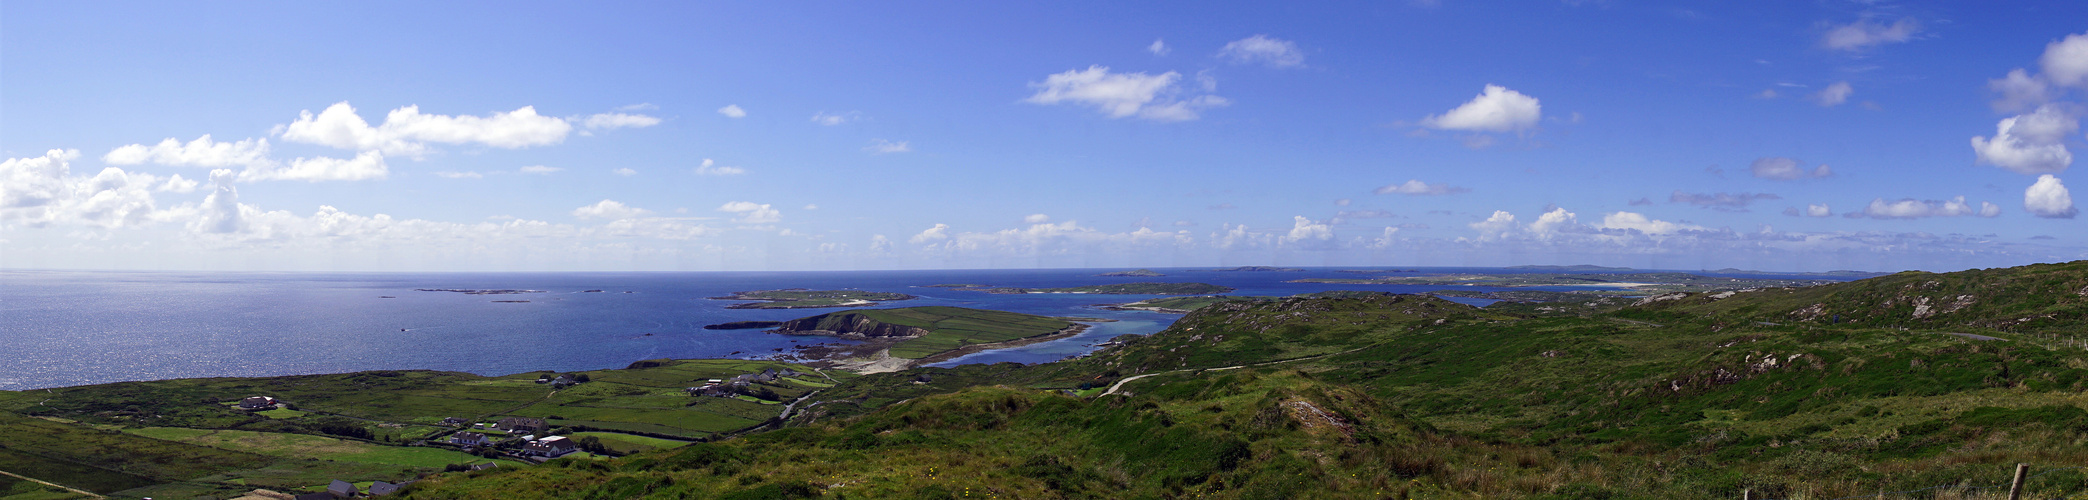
(64, 328)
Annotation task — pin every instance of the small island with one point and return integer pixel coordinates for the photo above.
(1254, 269)
(742, 325)
(1142, 288)
(1141, 273)
(799, 298)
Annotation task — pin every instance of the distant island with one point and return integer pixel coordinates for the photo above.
(742, 325)
(953, 285)
(1640, 283)
(799, 298)
(1253, 269)
(471, 291)
(1143, 288)
(1578, 268)
(1142, 273)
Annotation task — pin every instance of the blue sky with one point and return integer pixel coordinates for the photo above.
(844, 135)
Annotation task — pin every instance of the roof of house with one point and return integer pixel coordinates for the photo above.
(339, 486)
(381, 488)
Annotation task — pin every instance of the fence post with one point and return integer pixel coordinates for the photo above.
(1746, 494)
(2015, 488)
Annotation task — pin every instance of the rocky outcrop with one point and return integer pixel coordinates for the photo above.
(848, 324)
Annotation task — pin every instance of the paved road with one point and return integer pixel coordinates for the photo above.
(1974, 336)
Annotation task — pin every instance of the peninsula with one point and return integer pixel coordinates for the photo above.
(799, 298)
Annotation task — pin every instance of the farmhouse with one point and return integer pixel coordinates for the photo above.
(469, 439)
(381, 488)
(454, 421)
(523, 424)
(257, 403)
(553, 446)
(342, 489)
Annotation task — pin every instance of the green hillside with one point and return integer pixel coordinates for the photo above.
(1417, 397)
(1683, 396)
(929, 330)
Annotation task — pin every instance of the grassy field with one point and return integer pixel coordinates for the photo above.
(303, 446)
(627, 444)
(935, 329)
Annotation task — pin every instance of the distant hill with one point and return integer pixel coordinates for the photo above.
(1143, 273)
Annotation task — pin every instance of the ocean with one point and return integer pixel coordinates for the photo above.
(65, 328)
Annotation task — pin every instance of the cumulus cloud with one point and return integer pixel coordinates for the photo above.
(1496, 109)
(2019, 91)
(1639, 222)
(538, 169)
(709, 167)
(367, 165)
(202, 152)
(1785, 169)
(1813, 210)
(1384, 240)
(752, 213)
(1910, 208)
(1036, 219)
(1158, 48)
(1309, 233)
(1118, 95)
(407, 132)
(2048, 198)
(732, 111)
(1864, 34)
(607, 121)
(2030, 144)
(1416, 187)
(1722, 201)
(881, 146)
(2065, 61)
(1262, 49)
(41, 191)
(610, 209)
(1834, 95)
(931, 235)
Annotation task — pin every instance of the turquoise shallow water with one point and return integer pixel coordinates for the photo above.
(67, 328)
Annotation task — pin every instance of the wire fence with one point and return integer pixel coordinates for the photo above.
(2004, 486)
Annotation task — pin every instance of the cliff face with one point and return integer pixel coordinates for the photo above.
(849, 324)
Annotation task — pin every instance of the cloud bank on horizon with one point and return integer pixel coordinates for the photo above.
(1315, 136)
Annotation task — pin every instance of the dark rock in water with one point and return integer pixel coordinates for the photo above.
(742, 325)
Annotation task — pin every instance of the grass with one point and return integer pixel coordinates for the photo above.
(308, 447)
(936, 329)
(281, 413)
(627, 444)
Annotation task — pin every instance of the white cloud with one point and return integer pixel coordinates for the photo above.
(1499, 225)
(2030, 144)
(1274, 52)
(1834, 95)
(1784, 169)
(2020, 91)
(607, 121)
(832, 119)
(2048, 198)
(41, 191)
(1864, 34)
(1384, 241)
(201, 152)
(709, 167)
(1119, 95)
(1036, 219)
(752, 213)
(367, 165)
(1496, 109)
(1639, 222)
(1914, 209)
(1813, 210)
(2065, 62)
(811, 206)
(610, 209)
(406, 131)
(732, 111)
(538, 169)
(881, 146)
(1307, 231)
(931, 235)
(1416, 187)
(626, 172)
(460, 175)
(1158, 48)
(880, 244)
